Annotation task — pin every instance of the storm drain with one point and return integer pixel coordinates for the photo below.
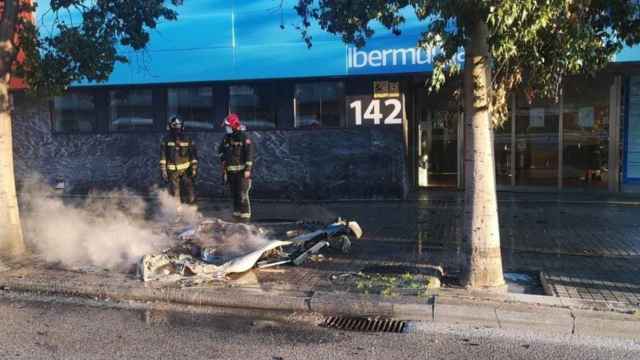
(364, 324)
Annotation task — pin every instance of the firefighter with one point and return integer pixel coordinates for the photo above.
(179, 161)
(236, 152)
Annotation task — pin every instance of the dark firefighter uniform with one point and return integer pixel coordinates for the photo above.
(179, 162)
(237, 153)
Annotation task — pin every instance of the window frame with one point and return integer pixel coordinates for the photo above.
(158, 109)
(96, 106)
(341, 103)
(215, 106)
(280, 103)
(271, 100)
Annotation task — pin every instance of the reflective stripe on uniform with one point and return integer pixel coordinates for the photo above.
(184, 144)
(247, 195)
(194, 161)
(235, 167)
(249, 163)
(241, 215)
(179, 166)
(163, 161)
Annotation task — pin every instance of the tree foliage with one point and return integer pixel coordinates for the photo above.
(534, 44)
(81, 37)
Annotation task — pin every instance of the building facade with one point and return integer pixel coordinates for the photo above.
(329, 122)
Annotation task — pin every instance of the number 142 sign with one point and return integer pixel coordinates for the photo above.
(365, 110)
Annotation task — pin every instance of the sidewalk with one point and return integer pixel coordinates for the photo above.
(587, 251)
(257, 290)
(586, 248)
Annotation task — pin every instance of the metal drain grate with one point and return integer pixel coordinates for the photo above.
(364, 324)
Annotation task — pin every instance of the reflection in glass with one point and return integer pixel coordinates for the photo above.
(131, 109)
(586, 133)
(502, 152)
(319, 104)
(252, 104)
(443, 150)
(74, 112)
(537, 127)
(194, 105)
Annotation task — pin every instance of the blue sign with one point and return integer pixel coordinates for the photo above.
(237, 40)
(628, 54)
(391, 54)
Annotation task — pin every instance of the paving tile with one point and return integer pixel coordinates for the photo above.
(578, 245)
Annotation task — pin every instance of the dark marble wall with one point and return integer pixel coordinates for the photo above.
(291, 164)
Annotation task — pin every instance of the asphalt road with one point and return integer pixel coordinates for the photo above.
(50, 328)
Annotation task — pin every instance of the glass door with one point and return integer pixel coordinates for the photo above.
(443, 164)
(537, 130)
(438, 149)
(585, 131)
(424, 143)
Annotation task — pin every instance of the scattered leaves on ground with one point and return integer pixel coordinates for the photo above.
(395, 285)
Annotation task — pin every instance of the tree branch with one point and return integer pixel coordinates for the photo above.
(9, 19)
(8, 51)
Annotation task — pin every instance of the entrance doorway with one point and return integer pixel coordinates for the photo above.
(439, 148)
(571, 143)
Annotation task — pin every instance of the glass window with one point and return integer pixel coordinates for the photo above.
(502, 152)
(131, 109)
(252, 103)
(74, 112)
(537, 131)
(443, 150)
(194, 105)
(319, 104)
(586, 132)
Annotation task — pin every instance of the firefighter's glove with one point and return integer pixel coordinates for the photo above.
(164, 175)
(247, 174)
(194, 171)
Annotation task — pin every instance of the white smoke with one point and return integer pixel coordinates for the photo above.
(113, 230)
(169, 208)
(230, 239)
(107, 230)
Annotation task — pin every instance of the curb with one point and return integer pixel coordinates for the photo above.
(533, 250)
(451, 307)
(215, 297)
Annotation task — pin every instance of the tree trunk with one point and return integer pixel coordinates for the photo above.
(11, 241)
(481, 230)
